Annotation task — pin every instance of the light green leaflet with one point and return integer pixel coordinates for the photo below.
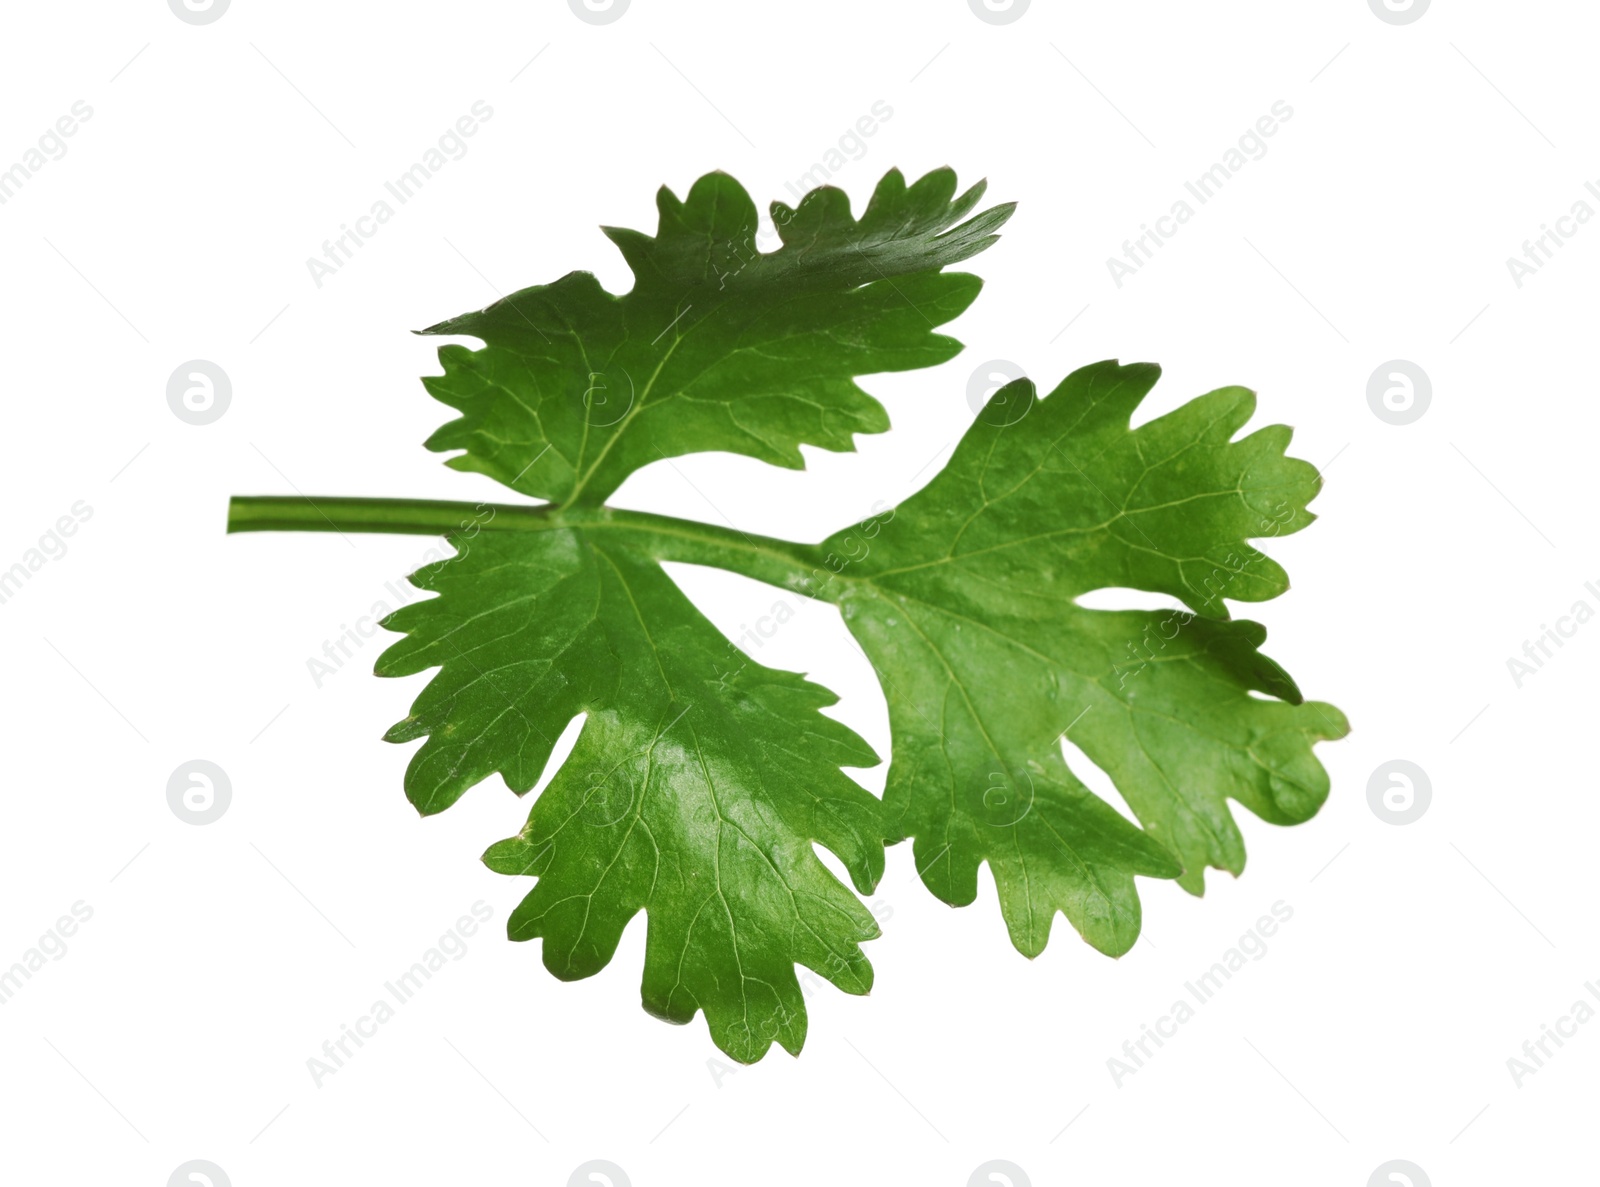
(718, 345)
(965, 603)
(701, 782)
(695, 791)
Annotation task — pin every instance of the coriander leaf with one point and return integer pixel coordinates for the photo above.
(700, 783)
(695, 791)
(965, 602)
(719, 345)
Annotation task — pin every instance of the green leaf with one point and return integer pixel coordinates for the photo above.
(965, 597)
(700, 782)
(696, 788)
(719, 345)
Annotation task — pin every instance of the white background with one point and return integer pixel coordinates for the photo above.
(177, 226)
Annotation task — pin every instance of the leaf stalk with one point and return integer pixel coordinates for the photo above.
(806, 569)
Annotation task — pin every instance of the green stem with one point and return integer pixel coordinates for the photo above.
(802, 568)
(406, 517)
